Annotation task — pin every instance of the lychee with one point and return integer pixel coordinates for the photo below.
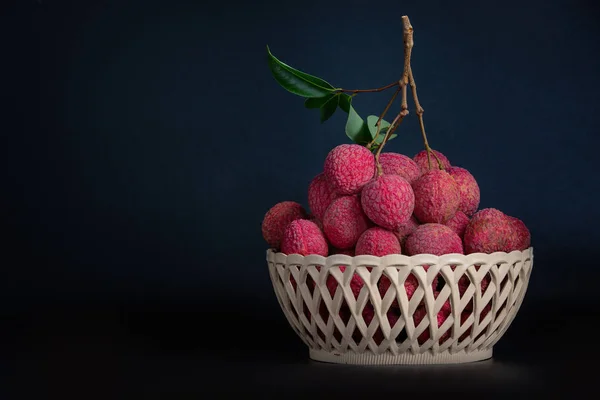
(304, 237)
(348, 167)
(388, 201)
(344, 221)
(458, 223)
(421, 312)
(488, 231)
(406, 229)
(521, 238)
(399, 164)
(377, 242)
(320, 195)
(468, 188)
(421, 160)
(436, 197)
(278, 218)
(436, 239)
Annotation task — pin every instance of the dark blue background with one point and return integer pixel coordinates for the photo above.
(145, 140)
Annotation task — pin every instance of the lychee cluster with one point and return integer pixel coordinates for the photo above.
(410, 206)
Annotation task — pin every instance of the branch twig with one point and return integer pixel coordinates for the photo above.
(419, 111)
(408, 45)
(381, 89)
(393, 126)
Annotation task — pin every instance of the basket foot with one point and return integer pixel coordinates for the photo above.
(369, 358)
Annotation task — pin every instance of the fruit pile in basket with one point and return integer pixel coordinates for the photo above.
(408, 209)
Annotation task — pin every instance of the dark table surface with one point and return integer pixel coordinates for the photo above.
(175, 351)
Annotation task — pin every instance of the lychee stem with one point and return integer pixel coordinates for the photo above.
(393, 126)
(419, 111)
(378, 124)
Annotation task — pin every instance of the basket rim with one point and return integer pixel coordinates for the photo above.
(397, 257)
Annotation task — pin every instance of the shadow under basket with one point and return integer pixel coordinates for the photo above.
(397, 309)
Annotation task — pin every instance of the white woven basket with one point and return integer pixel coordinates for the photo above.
(346, 337)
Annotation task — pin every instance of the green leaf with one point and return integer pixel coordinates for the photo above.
(381, 137)
(345, 102)
(297, 82)
(328, 109)
(372, 124)
(317, 102)
(356, 128)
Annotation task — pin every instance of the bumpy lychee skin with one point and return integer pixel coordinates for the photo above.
(468, 188)
(304, 237)
(348, 167)
(421, 160)
(388, 201)
(488, 231)
(399, 164)
(377, 242)
(458, 223)
(521, 237)
(436, 197)
(320, 195)
(278, 218)
(406, 229)
(344, 221)
(436, 239)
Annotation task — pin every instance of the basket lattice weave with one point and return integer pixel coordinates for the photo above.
(467, 334)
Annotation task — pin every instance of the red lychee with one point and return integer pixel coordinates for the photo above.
(488, 231)
(278, 218)
(458, 223)
(377, 242)
(436, 239)
(388, 201)
(344, 221)
(348, 167)
(399, 164)
(436, 197)
(521, 238)
(468, 188)
(304, 237)
(421, 160)
(320, 195)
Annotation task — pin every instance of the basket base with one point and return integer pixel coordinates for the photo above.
(369, 358)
